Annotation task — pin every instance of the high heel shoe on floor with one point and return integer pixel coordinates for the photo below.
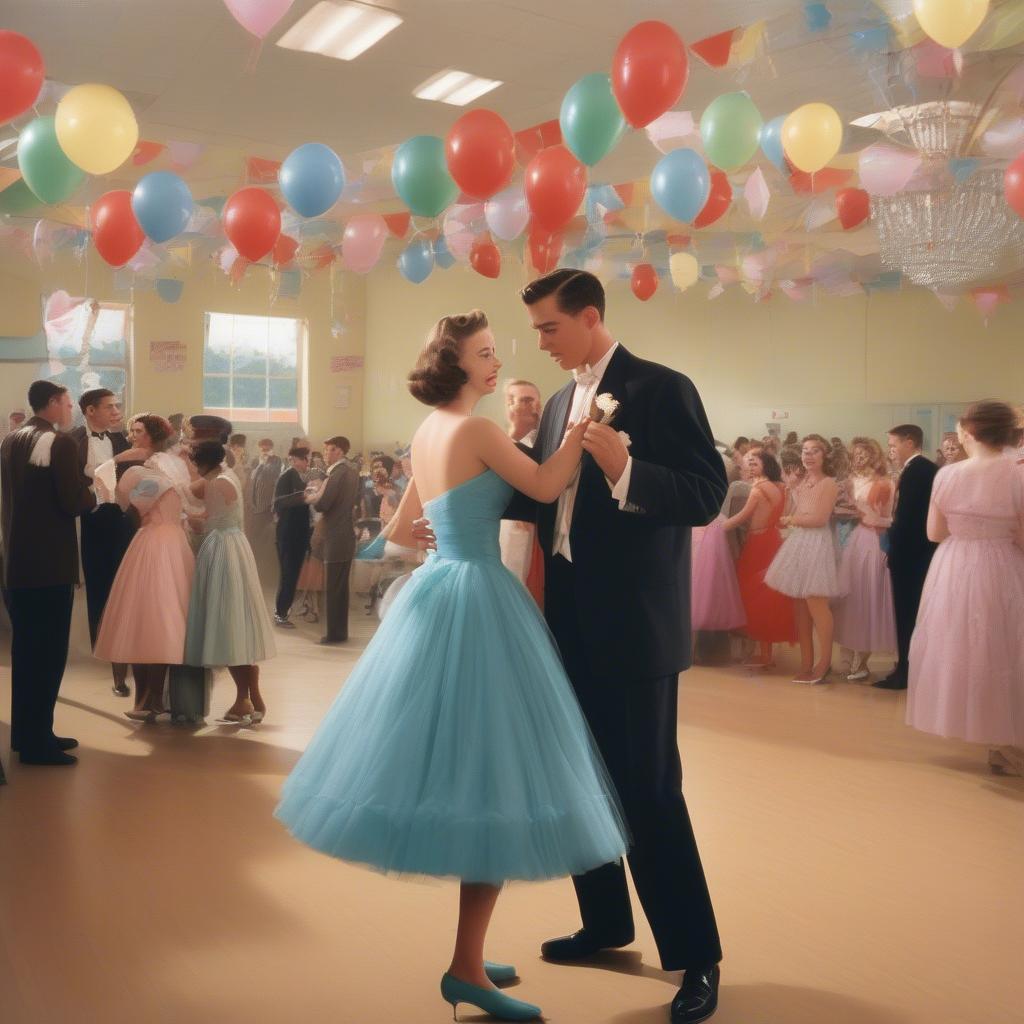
(141, 716)
(498, 973)
(257, 717)
(491, 1001)
(231, 719)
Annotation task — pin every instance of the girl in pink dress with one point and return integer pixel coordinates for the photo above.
(144, 620)
(967, 653)
(864, 614)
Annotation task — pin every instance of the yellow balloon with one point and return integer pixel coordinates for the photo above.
(685, 270)
(950, 22)
(811, 136)
(96, 128)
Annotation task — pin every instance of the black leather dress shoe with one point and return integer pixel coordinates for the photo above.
(53, 756)
(581, 945)
(121, 690)
(61, 743)
(891, 683)
(698, 998)
(328, 642)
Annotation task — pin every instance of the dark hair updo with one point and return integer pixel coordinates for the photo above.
(157, 429)
(437, 377)
(995, 424)
(207, 455)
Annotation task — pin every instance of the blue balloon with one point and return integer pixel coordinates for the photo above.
(312, 179)
(771, 142)
(443, 257)
(681, 184)
(871, 40)
(162, 204)
(169, 289)
(416, 261)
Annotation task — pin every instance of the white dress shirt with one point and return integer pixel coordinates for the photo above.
(101, 449)
(587, 389)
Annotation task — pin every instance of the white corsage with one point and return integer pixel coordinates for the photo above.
(606, 407)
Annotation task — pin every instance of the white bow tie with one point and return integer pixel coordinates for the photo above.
(585, 376)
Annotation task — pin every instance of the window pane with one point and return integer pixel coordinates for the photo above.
(282, 346)
(216, 392)
(107, 345)
(250, 354)
(249, 393)
(284, 394)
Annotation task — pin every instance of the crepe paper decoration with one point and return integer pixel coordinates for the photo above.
(819, 213)
(673, 126)
(146, 152)
(678, 241)
(987, 299)
(963, 167)
(820, 181)
(625, 193)
(290, 284)
(530, 141)
(947, 301)
(715, 291)
(727, 275)
(817, 16)
(757, 194)
(398, 223)
(1004, 140)
(794, 291)
(184, 154)
(320, 257)
(261, 172)
(936, 62)
(169, 288)
(886, 170)
(746, 44)
(715, 50)
(890, 281)
(238, 269)
(8, 176)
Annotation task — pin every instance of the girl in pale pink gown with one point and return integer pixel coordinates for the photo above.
(144, 620)
(967, 652)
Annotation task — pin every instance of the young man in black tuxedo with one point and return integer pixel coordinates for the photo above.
(106, 530)
(293, 531)
(617, 598)
(910, 550)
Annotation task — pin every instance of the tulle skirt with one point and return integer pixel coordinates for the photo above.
(228, 622)
(865, 619)
(715, 602)
(769, 613)
(806, 564)
(457, 747)
(967, 652)
(144, 620)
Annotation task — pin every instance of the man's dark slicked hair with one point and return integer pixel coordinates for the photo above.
(909, 432)
(573, 289)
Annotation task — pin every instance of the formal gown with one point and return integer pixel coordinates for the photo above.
(806, 565)
(715, 592)
(144, 620)
(967, 650)
(769, 613)
(228, 622)
(457, 747)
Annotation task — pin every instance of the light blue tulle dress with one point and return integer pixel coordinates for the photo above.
(228, 622)
(457, 747)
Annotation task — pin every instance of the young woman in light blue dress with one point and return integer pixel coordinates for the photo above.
(457, 747)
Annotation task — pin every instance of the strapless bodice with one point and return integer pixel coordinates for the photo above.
(467, 518)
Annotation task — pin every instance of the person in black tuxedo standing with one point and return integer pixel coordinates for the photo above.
(42, 490)
(106, 530)
(293, 531)
(910, 550)
(617, 598)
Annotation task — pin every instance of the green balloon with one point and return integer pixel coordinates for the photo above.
(420, 176)
(731, 130)
(45, 168)
(591, 120)
(18, 198)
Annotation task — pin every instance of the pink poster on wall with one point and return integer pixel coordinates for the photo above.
(167, 356)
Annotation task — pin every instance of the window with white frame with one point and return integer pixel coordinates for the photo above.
(251, 367)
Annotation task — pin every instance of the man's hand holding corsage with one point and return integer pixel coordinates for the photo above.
(608, 447)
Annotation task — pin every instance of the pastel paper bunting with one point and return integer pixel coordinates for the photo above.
(757, 194)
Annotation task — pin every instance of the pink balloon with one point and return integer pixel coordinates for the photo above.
(461, 227)
(363, 242)
(507, 213)
(885, 170)
(258, 16)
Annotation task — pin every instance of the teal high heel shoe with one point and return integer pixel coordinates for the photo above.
(497, 1004)
(500, 972)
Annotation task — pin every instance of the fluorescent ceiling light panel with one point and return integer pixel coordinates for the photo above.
(340, 30)
(455, 87)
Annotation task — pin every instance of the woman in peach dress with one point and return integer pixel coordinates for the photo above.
(144, 620)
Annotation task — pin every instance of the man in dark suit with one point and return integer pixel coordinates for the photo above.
(106, 530)
(336, 501)
(617, 598)
(293, 531)
(263, 477)
(910, 550)
(42, 490)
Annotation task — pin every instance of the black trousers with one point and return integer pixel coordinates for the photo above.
(41, 629)
(907, 585)
(634, 724)
(106, 534)
(291, 553)
(336, 577)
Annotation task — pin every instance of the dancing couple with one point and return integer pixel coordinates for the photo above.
(470, 741)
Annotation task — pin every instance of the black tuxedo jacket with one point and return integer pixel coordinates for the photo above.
(631, 567)
(291, 508)
(119, 442)
(910, 550)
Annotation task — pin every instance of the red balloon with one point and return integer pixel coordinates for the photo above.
(545, 250)
(481, 153)
(21, 74)
(285, 249)
(485, 258)
(649, 72)
(645, 281)
(1013, 185)
(555, 184)
(718, 200)
(853, 206)
(115, 231)
(252, 222)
